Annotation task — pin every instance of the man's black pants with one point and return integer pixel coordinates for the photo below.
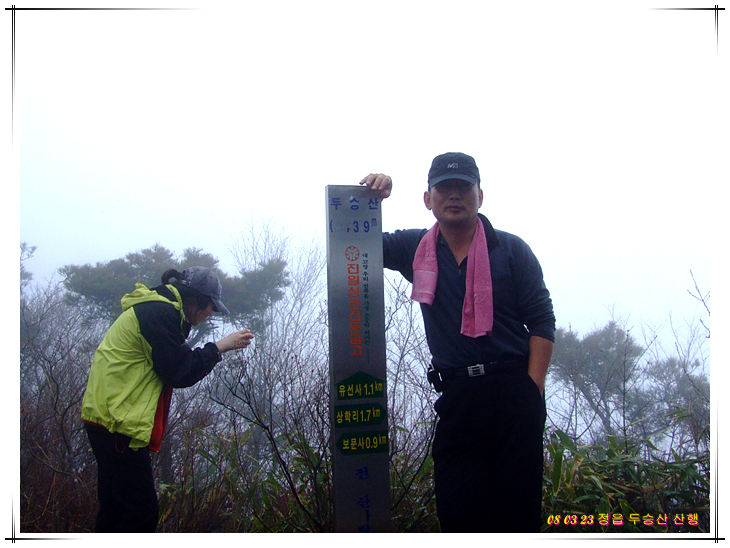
(127, 497)
(488, 453)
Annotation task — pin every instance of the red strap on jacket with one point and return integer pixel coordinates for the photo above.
(163, 410)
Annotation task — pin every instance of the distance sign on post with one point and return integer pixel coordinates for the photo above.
(358, 404)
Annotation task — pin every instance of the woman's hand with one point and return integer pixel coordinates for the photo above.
(235, 341)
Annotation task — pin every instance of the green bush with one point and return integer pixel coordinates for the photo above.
(586, 488)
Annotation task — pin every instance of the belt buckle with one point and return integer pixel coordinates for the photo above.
(475, 370)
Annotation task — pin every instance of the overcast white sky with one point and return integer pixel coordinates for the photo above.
(600, 130)
(594, 128)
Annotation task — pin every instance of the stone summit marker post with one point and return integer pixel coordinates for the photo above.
(358, 404)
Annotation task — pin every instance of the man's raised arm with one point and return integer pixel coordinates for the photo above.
(379, 181)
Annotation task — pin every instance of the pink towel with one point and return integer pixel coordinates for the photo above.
(477, 315)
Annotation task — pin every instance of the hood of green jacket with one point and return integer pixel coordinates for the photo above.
(143, 294)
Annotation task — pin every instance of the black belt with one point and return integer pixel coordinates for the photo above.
(437, 377)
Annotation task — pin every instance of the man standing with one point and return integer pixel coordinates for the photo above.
(490, 328)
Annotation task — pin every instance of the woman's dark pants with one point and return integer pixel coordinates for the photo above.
(127, 497)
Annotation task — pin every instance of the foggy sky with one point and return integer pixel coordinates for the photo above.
(170, 127)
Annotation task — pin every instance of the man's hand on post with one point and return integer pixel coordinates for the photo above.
(379, 181)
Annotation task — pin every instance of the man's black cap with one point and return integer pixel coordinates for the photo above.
(453, 165)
